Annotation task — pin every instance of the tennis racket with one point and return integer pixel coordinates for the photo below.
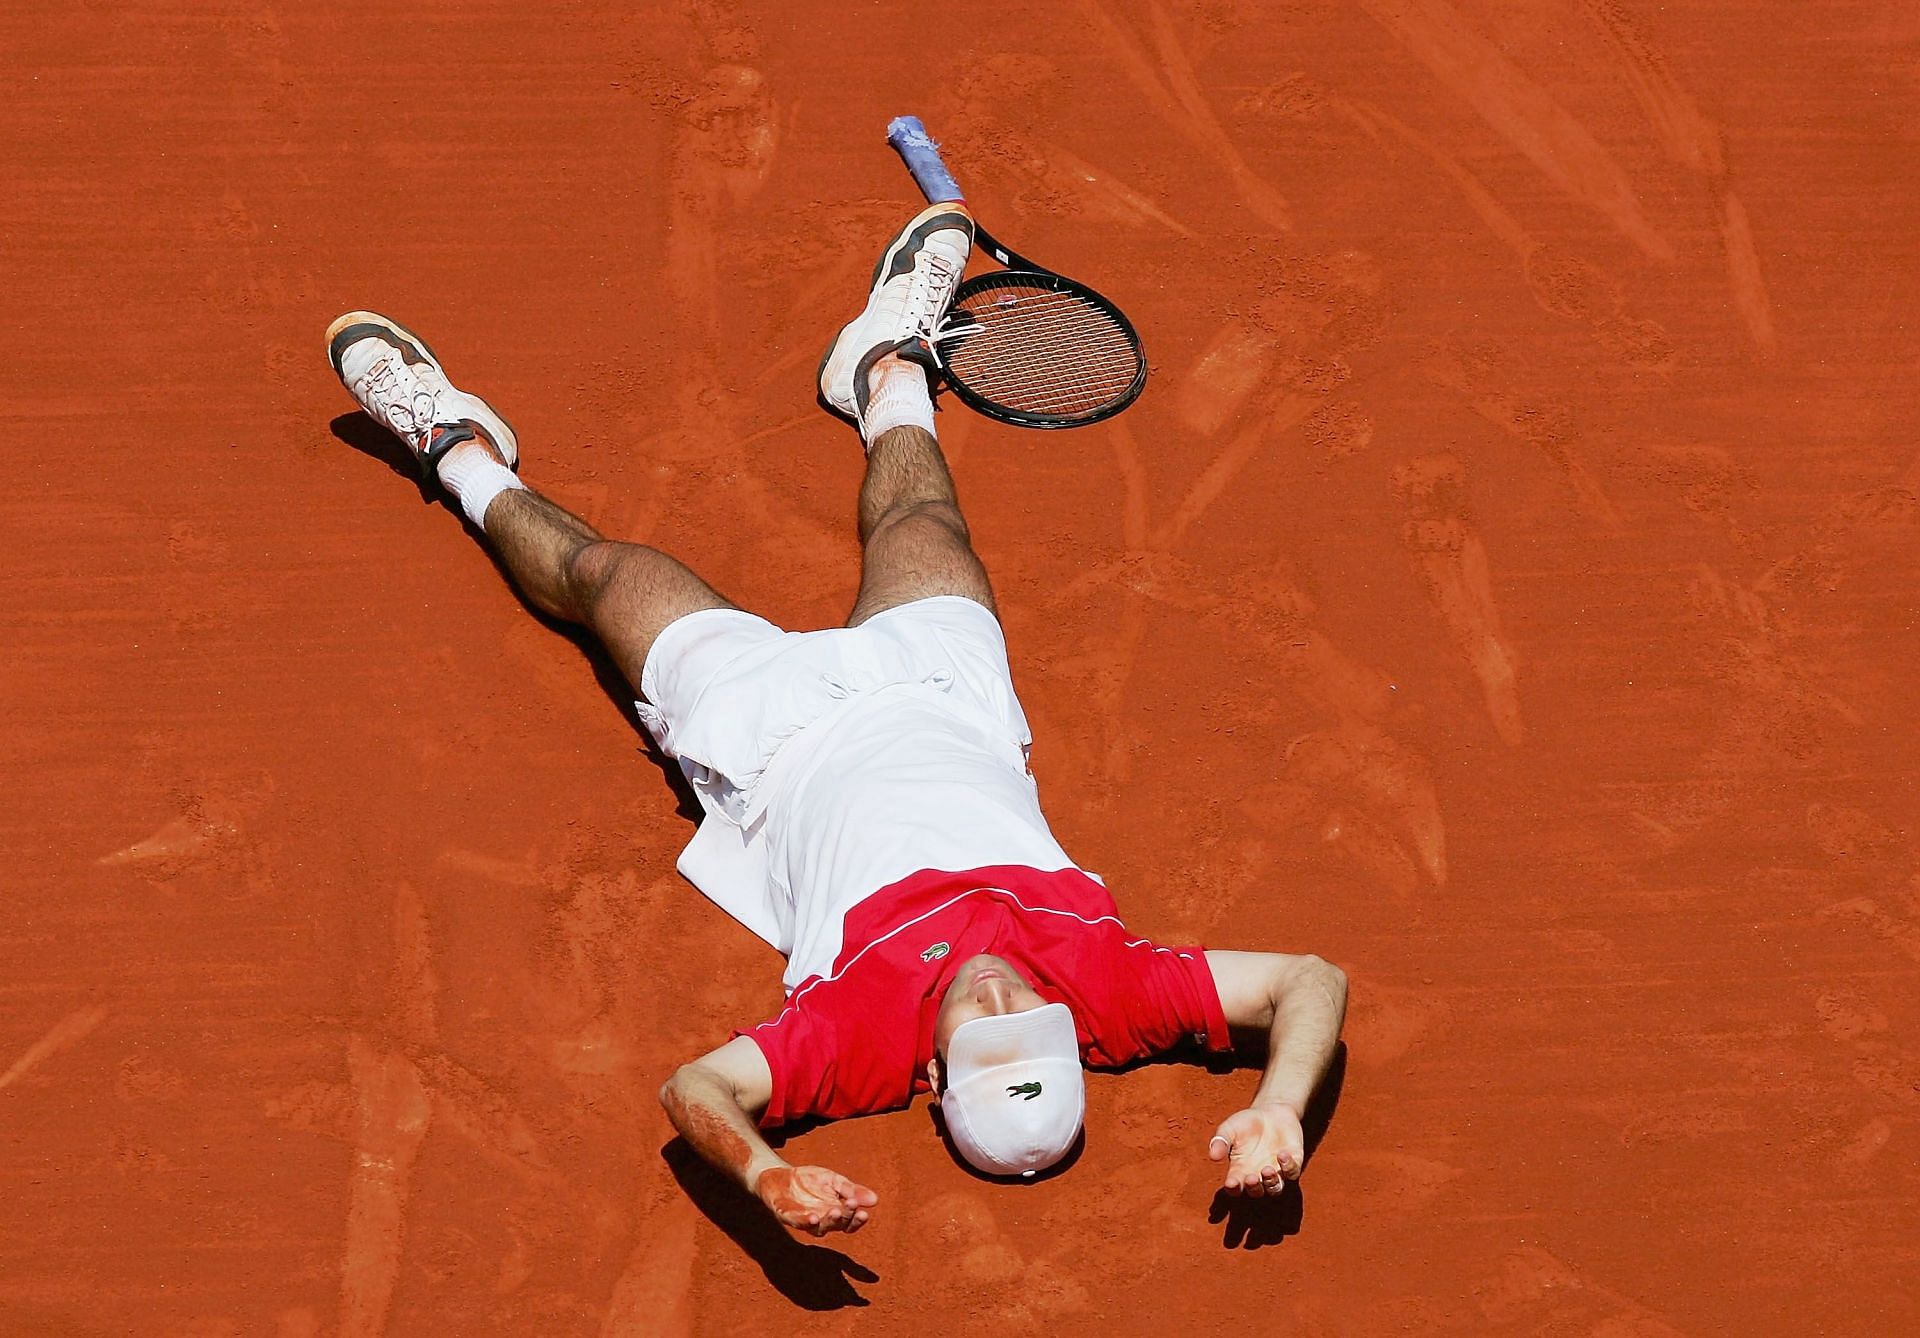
(1023, 344)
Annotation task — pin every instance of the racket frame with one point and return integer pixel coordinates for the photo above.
(917, 149)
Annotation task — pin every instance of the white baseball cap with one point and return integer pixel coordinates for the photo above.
(1016, 1095)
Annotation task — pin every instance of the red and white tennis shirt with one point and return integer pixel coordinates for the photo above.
(857, 1039)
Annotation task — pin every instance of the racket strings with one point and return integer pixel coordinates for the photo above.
(1043, 350)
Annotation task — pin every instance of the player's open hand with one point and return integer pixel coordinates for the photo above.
(813, 1199)
(1263, 1148)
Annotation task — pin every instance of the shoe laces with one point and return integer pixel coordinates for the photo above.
(402, 401)
(929, 290)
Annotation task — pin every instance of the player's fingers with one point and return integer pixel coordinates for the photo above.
(854, 1194)
(1219, 1148)
(1262, 1176)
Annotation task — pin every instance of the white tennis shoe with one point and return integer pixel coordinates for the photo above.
(912, 287)
(393, 375)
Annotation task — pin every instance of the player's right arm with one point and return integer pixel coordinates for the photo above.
(714, 1102)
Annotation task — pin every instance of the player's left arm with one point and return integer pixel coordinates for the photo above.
(1300, 1001)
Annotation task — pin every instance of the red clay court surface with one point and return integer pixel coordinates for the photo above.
(1505, 588)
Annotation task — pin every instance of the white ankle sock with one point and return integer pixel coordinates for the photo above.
(476, 478)
(901, 401)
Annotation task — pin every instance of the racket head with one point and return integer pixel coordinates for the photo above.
(1040, 350)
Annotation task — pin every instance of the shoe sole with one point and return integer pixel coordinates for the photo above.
(350, 329)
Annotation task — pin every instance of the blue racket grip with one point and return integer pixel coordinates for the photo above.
(911, 140)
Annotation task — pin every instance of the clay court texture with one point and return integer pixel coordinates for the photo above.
(1504, 587)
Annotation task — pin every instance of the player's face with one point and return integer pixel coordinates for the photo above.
(985, 986)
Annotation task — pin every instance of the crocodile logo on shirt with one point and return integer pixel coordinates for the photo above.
(935, 952)
(1027, 1090)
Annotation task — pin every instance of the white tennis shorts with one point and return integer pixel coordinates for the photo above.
(833, 763)
(726, 690)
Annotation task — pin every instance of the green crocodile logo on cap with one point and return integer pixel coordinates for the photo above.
(935, 953)
(1028, 1090)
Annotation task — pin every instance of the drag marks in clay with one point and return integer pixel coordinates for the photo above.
(1387, 1021)
(1561, 283)
(1695, 143)
(1450, 559)
(1260, 375)
(1520, 111)
(1338, 430)
(1285, 410)
(211, 836)
(68, 1031)
(1534, 1292)
(391, 1115)
(997, 1280)
(174, 843)
(1481, 374)
(1774, 713)
(392, 1110)
(1042, 178)
(1394, 823)
(1900, 930)
(1708, 481)
(1235, 361)
(400, 1088)
(1865, 1027)
(654, 1296)
(1780, 705)
(1101, 192)
(1161, 70)
(1390, 1185)
(1860, 528)
(722, 155)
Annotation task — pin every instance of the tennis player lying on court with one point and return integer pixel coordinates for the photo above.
(868, 808)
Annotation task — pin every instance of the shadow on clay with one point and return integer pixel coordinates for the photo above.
(813, 1277)
(1255, 1224)
(369, 438)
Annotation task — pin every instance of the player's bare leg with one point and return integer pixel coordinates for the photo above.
(914, 538)
(626, 593)
(875, 373)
